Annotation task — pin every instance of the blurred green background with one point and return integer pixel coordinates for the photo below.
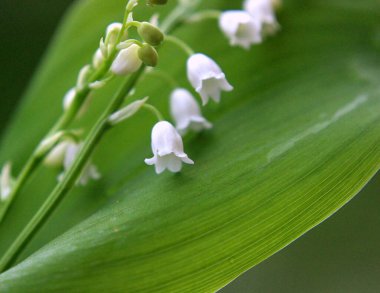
(340, 255)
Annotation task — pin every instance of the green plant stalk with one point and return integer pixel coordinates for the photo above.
(177, 17)
(63, 122)
(26, 172)
(71, 177)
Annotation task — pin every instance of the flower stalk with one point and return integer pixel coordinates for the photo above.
(70, 177)
(99, 129)
(118, 55)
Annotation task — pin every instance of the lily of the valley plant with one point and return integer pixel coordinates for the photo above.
(67, 149)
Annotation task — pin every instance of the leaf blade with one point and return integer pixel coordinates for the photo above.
(294, 156)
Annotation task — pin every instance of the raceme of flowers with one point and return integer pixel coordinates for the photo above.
(119, 55)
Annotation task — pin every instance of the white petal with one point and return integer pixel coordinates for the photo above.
(127, 61)
(56, 156)
(262, 10)
(151, 161)
(70, 155)
(174, 164)
(161, 164)
(69, 98)
(185, 159)
(98, 58)
(112, 32)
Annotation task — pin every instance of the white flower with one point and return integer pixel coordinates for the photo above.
(64, 154)
(206, 77)
(167, 148)
(56, 156)
(89, 171)
(68, 99)
(262, 11)
(241, 29)
(98, 58)
(6, 182)
(127, 61)
(112, 33)
(186, 112)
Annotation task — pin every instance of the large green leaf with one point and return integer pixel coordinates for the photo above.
(296, 140)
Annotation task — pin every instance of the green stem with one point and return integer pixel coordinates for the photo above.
(70, 178)
(162, 75)
(154, 111)
(97, 132)
(204, 15)
(63, 122)
(179, 14)
(180, 44)
(30, 166)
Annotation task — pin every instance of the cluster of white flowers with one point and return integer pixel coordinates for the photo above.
(250, 25)
(209, 81)
(243, 28)
(64, 154)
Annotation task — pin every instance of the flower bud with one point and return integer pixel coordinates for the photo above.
(47, 144)
(98, 58)
(148, 55)
(6, 182)
(112, 33)
(69, 98)
(157, 2)
(83, 76)
(126, 112)
(56, 156)
(150, 34)
(127, 61)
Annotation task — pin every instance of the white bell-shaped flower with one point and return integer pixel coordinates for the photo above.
(68, 99)
(89, 172)
(263, 11)
(240, 28)
(186, 112)
(112, 32)
(64, 154)
(56, 156)
(98, 58)
(127, 61)
(206, 77)
(167, 148)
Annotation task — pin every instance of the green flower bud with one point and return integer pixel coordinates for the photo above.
(148, 55)
(150, 34)
(157, 2)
